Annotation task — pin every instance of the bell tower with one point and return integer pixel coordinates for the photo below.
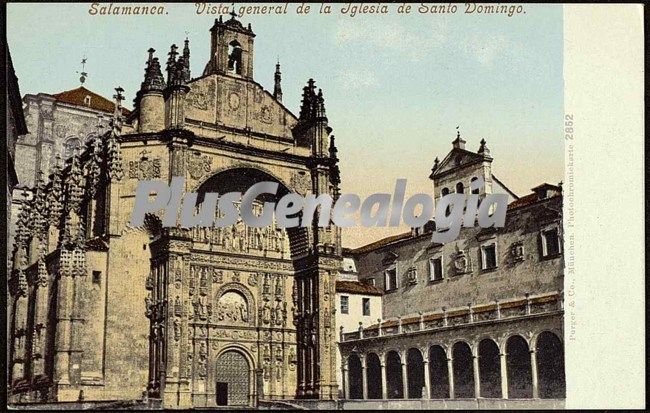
(231, 51)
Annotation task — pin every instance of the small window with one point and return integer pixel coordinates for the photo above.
(391, 279)
(97, 277)
(345, 304)
(369, 281)
(366, 306)
(445, 191)
(435, 269)
(489, 256)
(550, 242)
(460, 188)
(87, 100)
(475, 191)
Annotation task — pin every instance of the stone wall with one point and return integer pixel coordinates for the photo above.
(464, 282)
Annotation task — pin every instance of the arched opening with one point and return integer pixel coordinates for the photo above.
(234, 57)
(520, 381)
(355, 377)
(463, 371)
(415, 375)
(232, 379)
(477, 190)
(373, 376)
(232, 306)
(489, 369)
(268, 241)
(550, 366)
(394, 377)
(460, 188)
(439, 374)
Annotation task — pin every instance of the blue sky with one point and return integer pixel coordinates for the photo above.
(395, 86)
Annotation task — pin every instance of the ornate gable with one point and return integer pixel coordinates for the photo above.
(456, 158)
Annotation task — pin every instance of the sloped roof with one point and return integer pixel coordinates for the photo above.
(355, 287)
(380, 243)
(532, 198)
(97, 102)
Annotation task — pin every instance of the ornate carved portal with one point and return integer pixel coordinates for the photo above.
(264, 294)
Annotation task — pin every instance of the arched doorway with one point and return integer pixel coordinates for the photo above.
(373, 376)
(415, 373)
(439, 374)
(520, 380)
(550, 366)
(489, 369)
(355, 377)
(233, 385)
(463, 371)
(394, 377)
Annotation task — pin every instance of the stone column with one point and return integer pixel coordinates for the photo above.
(477, 377)
(364, 378)
(504, 376)
(384, 383)
(346, 381)
(405, 381)
(63, 331)
(427, 380)
(450, 373)
(533, 367)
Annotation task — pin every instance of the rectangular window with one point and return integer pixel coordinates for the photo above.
(369, 281)
(550, 242)
(489, 256)
(391, 279)
(366, 306)
(344, 304)
(97, 277)
(435, 269)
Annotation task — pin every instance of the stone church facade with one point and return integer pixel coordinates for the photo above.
(478, 319)
(100, 310)
(57, 125)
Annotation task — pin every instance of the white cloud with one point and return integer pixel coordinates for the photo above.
(393, 37)
(486, 50)
(357, 78)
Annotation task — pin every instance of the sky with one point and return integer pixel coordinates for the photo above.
(396, 86)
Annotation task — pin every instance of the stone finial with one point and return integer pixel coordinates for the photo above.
(277, 88)
(458, 143)
(113, 153)
(471, 312)
(483, 149)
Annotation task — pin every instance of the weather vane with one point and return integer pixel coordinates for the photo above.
(83, 73)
